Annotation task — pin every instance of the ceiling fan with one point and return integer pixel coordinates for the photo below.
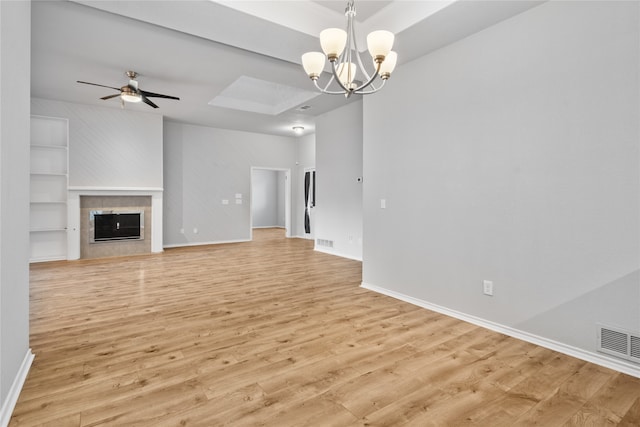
(131, 92)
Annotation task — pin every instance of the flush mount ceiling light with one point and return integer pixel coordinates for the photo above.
(298, 129)
(341, 49)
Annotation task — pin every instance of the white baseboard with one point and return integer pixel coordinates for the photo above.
(218, 242)
(14, 392)
(267, 226)
(597, 358)
(326, 251)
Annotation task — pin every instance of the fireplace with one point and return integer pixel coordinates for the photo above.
(108, 225)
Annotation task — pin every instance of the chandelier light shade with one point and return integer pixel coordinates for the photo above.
(347, 74)
(380, 44)
(333, 41)
(387, 67)
(313, 63)
(341, 50)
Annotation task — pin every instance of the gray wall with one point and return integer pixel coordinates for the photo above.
(264, 198)
(204, 166)
(338, 212)
(15, 30)
(513, 156)
(109, 147)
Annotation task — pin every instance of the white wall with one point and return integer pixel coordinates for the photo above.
(109, 147)
(204, 166)
(338, 211)
(15, 356)
(513, 156)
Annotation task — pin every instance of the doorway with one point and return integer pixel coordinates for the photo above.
(270, 199)
(309, 202)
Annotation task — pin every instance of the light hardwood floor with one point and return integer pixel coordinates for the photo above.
(272, 333)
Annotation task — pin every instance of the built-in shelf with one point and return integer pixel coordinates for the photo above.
(48, 147)
(62, 175)
(48, 202)
(41, 230)
(49, 188)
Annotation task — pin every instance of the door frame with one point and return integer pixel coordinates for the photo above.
(287, 198)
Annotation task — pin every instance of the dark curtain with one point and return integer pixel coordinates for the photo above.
(307, 224)
(313, 191)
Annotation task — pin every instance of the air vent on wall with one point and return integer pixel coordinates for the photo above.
(325, 243)
(619, 343)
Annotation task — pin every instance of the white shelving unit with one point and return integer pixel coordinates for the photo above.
(49, 183)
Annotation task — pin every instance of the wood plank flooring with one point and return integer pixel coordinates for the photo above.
(271, 333)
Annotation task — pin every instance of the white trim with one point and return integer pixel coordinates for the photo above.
(218, 242)
(269, 226)
(9, 403)
(598, 359)
(325, 251)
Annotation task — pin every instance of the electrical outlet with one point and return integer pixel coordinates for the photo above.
(487, 286)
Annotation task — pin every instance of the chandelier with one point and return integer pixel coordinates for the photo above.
(341, 49)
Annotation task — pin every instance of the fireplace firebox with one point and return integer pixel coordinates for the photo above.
(111, 225)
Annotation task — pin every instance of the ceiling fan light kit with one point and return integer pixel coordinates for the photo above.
(128, 95)
(341, 50)
(131, 92)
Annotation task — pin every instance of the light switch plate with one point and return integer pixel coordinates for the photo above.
(487, 287)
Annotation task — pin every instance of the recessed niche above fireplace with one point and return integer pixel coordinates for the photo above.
(110, 225)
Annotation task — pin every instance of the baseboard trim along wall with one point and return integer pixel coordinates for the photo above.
(326, 251)
(598, 359)
(217, 242)
(14, 392)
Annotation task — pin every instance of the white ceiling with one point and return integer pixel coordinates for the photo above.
(197, 49)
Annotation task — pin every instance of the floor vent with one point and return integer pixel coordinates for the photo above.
(619, 343)
(325, 243)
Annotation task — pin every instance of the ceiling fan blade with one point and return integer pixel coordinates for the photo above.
(148, 101)
(110, 96)
(157, 95)
(96, 84)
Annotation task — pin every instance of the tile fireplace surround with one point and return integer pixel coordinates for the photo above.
(82, 200)
(115, 247)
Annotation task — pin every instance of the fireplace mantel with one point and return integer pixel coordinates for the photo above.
(73, 213)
